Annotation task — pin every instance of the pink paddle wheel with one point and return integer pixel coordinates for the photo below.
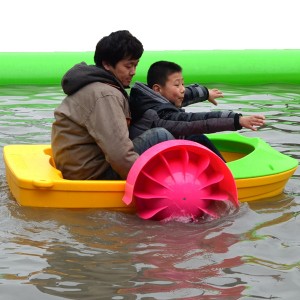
(179, 178)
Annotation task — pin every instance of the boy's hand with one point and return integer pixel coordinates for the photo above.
(251, 121)
(213, 94)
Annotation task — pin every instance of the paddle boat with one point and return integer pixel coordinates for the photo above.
(253, 170)
(259, 172)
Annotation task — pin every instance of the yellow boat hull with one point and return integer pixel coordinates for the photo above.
(34, 181)
(252, 189)
(257, 188)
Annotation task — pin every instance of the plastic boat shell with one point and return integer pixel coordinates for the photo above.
(259, 170)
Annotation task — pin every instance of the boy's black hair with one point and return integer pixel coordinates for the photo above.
(159, 72)
(117, 46)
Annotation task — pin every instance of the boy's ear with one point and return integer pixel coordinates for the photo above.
(156, 88)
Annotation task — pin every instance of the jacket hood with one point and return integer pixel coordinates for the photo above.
(82, 74)
(143, 98)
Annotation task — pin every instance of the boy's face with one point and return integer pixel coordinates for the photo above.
(124, 70)
(173, 89)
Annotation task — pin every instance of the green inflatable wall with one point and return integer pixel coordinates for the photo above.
(202, 66)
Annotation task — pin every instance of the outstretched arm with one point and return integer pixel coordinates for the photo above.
(195, 93)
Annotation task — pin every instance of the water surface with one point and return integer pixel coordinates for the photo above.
(253, 253)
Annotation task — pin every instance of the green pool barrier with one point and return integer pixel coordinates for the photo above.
(203, 66)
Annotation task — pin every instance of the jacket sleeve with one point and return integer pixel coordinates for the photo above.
(194, 93)
(181, 115)
(184, 128)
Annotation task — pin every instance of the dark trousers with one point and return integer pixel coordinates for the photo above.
(205, 141)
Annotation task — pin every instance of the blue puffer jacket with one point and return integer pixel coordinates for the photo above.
(149, 109)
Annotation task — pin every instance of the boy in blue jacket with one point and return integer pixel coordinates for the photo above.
(160, 102)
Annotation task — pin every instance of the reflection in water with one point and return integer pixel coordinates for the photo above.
(94, 254)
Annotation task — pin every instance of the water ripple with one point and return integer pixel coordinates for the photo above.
(94, 254)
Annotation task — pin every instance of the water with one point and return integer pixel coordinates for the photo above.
(253, 253)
